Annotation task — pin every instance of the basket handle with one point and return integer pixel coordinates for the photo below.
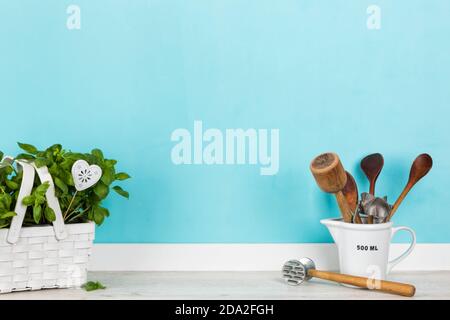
(25, 189)
(52, 202)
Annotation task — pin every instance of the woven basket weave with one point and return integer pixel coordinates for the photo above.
(40, 257)
(39, 261)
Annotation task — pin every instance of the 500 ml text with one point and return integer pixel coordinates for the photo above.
(366, 248)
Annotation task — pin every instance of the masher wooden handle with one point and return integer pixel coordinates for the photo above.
(398, 288)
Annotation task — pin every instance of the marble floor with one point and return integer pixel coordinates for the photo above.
(233, 285)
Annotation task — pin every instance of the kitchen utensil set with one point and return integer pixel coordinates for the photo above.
(331, 177)
(297, 271)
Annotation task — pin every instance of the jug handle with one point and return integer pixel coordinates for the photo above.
(395, 261)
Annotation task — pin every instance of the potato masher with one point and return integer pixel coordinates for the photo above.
(297, 271)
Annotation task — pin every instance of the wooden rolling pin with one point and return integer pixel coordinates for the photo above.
(330, 175)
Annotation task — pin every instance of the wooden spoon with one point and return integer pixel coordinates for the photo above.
(350, 192)
(371, 166)
(420, 167)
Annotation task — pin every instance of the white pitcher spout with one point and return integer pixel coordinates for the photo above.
(332, 225)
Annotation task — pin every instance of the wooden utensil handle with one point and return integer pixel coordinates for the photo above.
(372, 188)
(398, 288)
(343, 206)
(397, 203)
(358, 218)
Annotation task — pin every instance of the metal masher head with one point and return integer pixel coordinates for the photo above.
(296, 271)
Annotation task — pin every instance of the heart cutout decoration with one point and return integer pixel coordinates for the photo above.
(85, 175)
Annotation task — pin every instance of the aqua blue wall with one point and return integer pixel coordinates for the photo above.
(137, 70)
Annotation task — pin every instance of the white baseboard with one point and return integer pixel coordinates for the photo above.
(245, 257)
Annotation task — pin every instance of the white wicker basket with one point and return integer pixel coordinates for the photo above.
(41, 257)
(39, 261)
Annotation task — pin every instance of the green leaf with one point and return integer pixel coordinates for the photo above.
(91, 214)
(101, 190)
(122, 176)
(122, 192)
(28, 200)
(108, 176)
(74, 156)
(40, 162)
(99, 215)
(63, 174)
(66, 164)
(18, 177)
(42, 189)
(8, 214)
(1, 155)
(104, 211)
(49, 214)
(5, 200)
(37, 213)
(55, 148)
(12, 185)
(110, 163)
(98, 154)
(48, 154)
(9, 169)
(61, 185)
(55, 170)
(4, 164)
(28, 148)
(91, 285)
(24, 156)
(39, 199)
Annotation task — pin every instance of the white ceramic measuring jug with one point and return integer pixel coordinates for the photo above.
(364, 248)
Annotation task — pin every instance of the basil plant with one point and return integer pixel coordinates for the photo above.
(87, 204)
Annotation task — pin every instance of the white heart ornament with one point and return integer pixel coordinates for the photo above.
(85, 175)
